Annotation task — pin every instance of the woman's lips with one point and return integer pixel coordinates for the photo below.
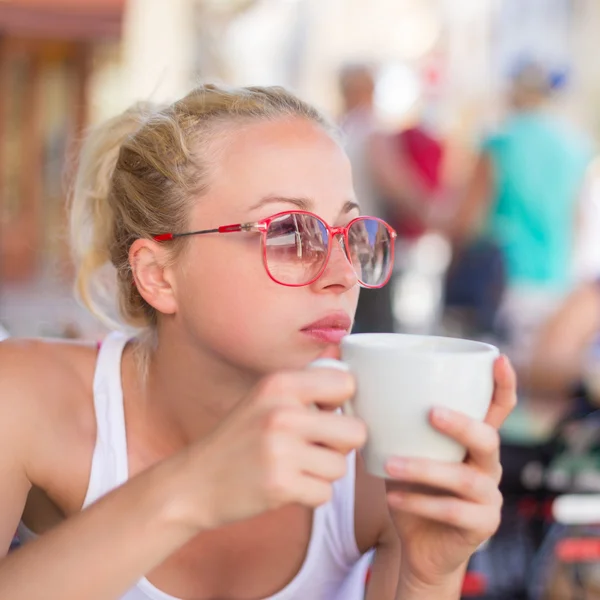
(328, 336)
(330, 329)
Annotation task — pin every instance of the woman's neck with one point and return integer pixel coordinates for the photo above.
(187, 391)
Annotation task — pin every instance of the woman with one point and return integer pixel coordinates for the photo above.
(192, 448)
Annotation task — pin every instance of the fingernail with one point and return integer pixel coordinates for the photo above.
(442, 415)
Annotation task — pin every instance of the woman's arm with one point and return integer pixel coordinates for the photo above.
(374, 527)
(474, 204)
(270, 452)
(99, 553)
(395, 179)
(559, 352)
(410, 589)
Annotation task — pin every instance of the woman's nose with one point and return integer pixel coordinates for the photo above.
(339, 270)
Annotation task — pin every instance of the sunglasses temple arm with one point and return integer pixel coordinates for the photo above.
(252, 227)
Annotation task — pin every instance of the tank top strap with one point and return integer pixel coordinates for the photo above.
(109, 462)
(343, 512)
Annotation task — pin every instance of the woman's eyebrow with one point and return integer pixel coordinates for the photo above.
(350, 205)
(302, 203)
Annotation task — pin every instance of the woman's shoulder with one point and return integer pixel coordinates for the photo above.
(47, 421)
(38, 375)
(51, 357)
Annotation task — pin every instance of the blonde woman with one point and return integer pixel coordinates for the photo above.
(184, 462)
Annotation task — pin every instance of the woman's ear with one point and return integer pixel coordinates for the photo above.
(148, 260)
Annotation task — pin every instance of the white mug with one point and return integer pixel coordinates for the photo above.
(400, 378)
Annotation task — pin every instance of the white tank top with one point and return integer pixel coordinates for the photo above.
(333, 568)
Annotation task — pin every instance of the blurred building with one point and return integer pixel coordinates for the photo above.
(46, 55)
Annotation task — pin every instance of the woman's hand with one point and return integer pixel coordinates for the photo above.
(273, 450)
(444, 511)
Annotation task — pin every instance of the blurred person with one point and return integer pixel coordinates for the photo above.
(422, 153)
(521, 200)
(586, 261)
(189, 453)
(385, 184)
(564, 356)
(564, 371)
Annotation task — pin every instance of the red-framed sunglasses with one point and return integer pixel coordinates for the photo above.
(296, 246)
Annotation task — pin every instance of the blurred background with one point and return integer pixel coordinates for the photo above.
(443, 64)
(472, 125)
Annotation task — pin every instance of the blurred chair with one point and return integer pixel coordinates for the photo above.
(568, 563)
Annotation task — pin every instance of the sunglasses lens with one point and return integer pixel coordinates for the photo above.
(296, 248)
(370, 248)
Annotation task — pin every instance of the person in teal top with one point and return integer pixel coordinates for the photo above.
(538, 167)
(522, 198)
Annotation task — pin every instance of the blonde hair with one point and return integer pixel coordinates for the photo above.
(136, 177)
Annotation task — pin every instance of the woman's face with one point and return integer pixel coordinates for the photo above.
(225, 298)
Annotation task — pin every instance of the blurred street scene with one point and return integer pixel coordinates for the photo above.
(472, 127)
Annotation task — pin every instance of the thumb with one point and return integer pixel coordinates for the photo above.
(331, 352)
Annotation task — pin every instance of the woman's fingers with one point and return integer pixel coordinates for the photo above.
(505, 393)
(311, 491)
(310, 473)
(336, 431)
(482, 440)
(461, 480)
(328, 387)
(320, 462)
(481, 519)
